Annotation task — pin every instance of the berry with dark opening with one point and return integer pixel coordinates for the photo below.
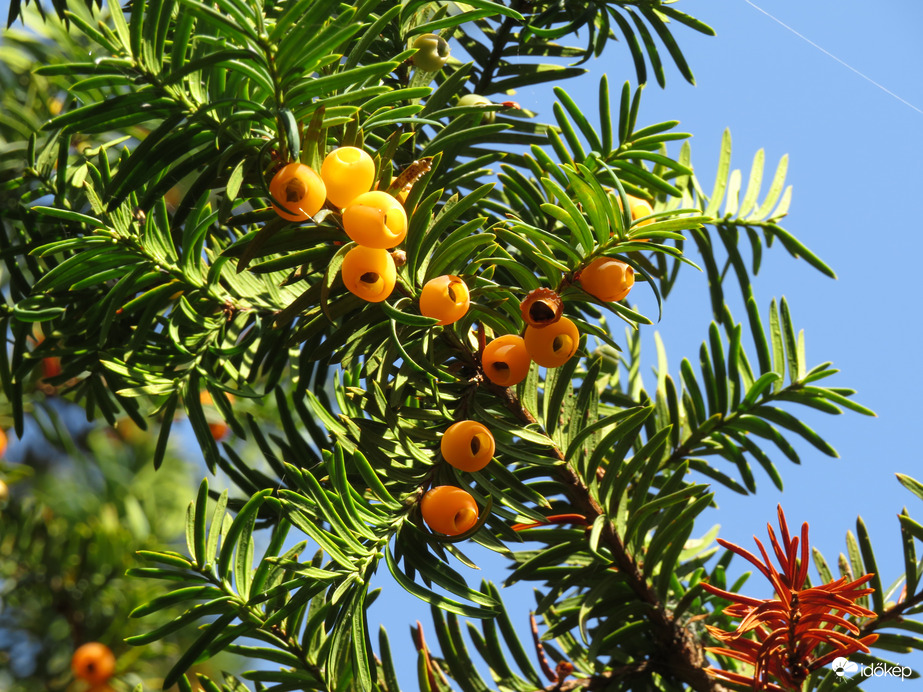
(542, 307)
(94, 663)
(554, 345)
(347, 172)
(607, 279)
(375, 219)
(445, 298)
(467, 445)
(299, 190)
(449, 510)
(506, 361)
(432, 52)
(369, 273)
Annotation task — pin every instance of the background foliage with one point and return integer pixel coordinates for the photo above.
(156, 272)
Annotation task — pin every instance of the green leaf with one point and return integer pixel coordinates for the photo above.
(183, 595)
(791, 346)
(241, 526)
(775, 189)
(217, 525)
(721, 179)
(778, 349)
(195, 525)
(192, 653)
(218, 605)
(68, 215)
(868, 558)
(431, 597)
(913, 485)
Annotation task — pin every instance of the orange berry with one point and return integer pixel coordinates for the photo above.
(446, 298)
(4, 491)
(467, 445)
(94, 663)
(375, 219)
(299, 189)
(219, 428)
(432, 52)
(506, 361)
(369, 273)
(449, 510)
(541, 307)
(347, 172)
(3, 443)
(554, 345)
(607, 279)
(219, 431)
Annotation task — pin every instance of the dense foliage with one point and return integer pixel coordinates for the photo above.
(144, 248)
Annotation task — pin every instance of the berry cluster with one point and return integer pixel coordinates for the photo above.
(373, 219)
(468, 446)
(377, 223)
(550, 339)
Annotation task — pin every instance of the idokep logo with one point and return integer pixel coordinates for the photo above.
(843, 667)
(846, 668)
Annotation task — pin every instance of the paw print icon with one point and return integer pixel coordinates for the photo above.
(843, 667)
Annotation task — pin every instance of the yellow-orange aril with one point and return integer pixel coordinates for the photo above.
(554, 345)
(449, 510)
(3, 443)
(445, 298)
(369, 273)
(432, 52)
(467, 445)
(541, 307)
(640, 208)
(375, 219)
(299, 190)
(94, 663)
(347, 172)
(506, 361)
(607, 279)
